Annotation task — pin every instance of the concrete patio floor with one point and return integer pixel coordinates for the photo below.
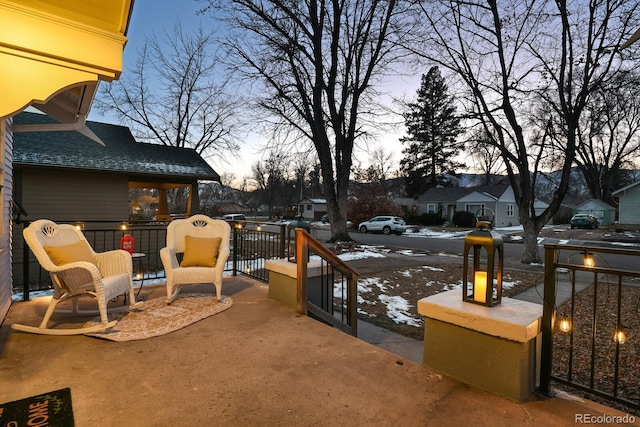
(257, 363)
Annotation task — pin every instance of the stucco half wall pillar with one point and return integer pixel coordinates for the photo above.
(496, 349)
(283, 281)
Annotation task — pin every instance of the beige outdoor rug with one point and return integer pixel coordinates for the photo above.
(154, 318)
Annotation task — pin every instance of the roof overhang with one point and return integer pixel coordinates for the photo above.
(54, 53)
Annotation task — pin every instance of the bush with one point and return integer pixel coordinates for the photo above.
(427, 219)
(464, 219)
(431, 219)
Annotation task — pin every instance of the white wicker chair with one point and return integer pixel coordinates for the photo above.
(107, 278)
(195, 226)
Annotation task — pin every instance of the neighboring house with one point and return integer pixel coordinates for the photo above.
(500, 199)
(53, 55)
(440, 200)
(628, 205)
(65, 176)
(312, 209)
(605, 213)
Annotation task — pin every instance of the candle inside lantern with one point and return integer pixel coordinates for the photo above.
(480, 287)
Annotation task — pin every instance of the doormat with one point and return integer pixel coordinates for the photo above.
(48, 409)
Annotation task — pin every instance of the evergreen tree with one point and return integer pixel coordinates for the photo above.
(433, 129)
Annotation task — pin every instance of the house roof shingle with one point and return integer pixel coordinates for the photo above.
(452, 194)
(121, 153)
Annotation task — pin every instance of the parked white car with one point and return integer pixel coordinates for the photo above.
(386, 224)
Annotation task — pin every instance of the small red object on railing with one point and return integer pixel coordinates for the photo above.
(127, 243)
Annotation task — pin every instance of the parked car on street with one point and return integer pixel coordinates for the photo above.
(584, 221)
(325, 219)
(234, 217)
(386, 224)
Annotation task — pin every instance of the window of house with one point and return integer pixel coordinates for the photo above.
(308, 207)
(431, 208)
(510, 209)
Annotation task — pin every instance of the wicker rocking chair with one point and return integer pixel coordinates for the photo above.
(77, 270)
(204, 245)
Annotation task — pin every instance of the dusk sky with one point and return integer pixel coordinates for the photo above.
(157, 16)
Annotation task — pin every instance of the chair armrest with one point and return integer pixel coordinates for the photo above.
(112, 263)
(76, 277)
(169, 259)
(223, 255)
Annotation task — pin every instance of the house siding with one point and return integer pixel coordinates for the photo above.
(68, 196)
(61, 195)
(6, 288)
(474, 201)
(507, 200)
(628, 208)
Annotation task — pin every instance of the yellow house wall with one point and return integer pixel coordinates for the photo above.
(45, 48)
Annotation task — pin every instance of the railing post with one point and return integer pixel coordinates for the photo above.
(283, 238)
(548, 318)
(234, 262)
(353, 303)
(25, 267)
(302, 252)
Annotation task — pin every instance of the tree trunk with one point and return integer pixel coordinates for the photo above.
(530, 252)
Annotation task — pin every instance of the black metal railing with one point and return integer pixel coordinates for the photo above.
(103, 236)
(326, 285)
(591, 322)
(252, 243)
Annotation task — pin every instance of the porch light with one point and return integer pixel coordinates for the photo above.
(620, 337)
(79, 225)
(124, 225)
(565, 324)
(485, 287)
(588, 260)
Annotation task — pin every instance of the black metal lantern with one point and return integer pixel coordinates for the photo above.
(291, 227)
(485, 286)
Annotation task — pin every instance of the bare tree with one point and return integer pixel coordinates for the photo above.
(383, 162)
(302, 168)
(610, 137)
(218, 191)
(270, 175)
(315, 64)
(486, 156)
(514, 54)
(173, 96)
